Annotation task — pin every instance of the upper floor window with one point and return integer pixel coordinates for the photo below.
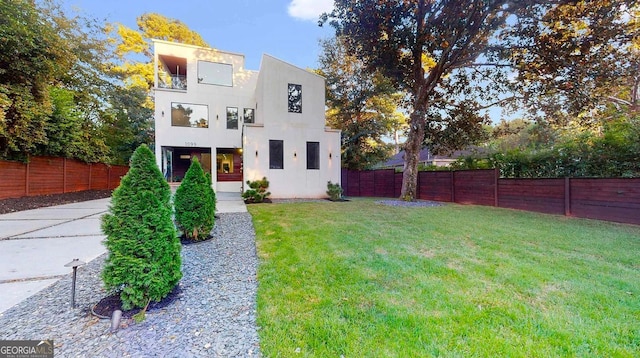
(232, 118)
(213, 73)
(189, 115)
(249, 115)
(172, 72)
(295, 98)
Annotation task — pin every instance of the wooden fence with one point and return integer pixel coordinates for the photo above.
(603, 199)
(51, 175)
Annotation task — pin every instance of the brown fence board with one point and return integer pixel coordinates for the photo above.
(397, 178)
(367, 183)
(434, 186)
(384, 183)
(51, 175)
(115, 174)
(475, 187)
(77, 176)
(606, 199)
(14, 177)
(46, 176)
(540, 195)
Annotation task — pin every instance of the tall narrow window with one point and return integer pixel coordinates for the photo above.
(276, 154)
(249, 115)
(295, 98)
(232, 118)
(313, 155)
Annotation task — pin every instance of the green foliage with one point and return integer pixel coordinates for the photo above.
(257, 191)
(611, 152)
(144, 250)
(334, 191)
(363, 106)
(138, 42)
(195, 203)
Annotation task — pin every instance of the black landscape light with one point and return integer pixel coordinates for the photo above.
(74, 264)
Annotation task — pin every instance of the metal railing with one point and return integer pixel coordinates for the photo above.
(172, 81)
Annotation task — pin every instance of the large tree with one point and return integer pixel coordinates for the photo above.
(454, 57)
(138, 42)
(363, 106)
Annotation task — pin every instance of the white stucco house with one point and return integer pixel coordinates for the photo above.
(242, 124)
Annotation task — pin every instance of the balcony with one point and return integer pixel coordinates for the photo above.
(178, 82)
(172, 72)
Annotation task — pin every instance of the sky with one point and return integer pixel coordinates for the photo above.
(285, 29)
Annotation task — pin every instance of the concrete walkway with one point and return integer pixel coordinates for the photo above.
(36, 244)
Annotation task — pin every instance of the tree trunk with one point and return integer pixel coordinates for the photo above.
(412, 149)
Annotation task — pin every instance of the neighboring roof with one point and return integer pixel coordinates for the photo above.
(426, 156)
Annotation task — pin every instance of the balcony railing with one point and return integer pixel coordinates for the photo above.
(178, 82)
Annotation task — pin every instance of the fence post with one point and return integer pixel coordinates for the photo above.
(64, 175)
(90, 177)
(496, 178)
(453, 186)
(109, 177)
(26, 177)
(567, 196)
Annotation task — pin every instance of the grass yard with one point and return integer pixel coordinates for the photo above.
(359, 279)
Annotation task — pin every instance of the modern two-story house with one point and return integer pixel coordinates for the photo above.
(242, 124)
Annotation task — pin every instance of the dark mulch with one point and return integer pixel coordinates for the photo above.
(185, 241)
(34, 202)
(106, 306)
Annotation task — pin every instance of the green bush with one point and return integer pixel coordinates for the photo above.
(144, 250)
(195, 204)
(334, 191)
(257, 191)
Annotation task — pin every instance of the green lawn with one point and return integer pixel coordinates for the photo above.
(361, 279)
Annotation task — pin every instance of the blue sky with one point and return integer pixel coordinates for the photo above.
(286, 29)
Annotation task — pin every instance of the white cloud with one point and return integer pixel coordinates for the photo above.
(309, 9)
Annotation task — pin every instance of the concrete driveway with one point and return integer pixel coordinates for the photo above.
(36, 244)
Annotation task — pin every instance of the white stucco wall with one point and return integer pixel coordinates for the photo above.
(267, 92)
(216, 98)
(274, 122)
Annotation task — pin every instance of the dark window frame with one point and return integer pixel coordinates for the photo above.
(294, 98)
(231, 118)
(276, 154)
(313, 155)
(253, 115)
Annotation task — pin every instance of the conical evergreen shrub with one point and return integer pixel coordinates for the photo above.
(144, 250)
(195, 204)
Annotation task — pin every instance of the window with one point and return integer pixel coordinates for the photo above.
(172, 72)
(224, 162)
(232, 118)
(213, 73)
(189, 115)
(295, 98)
(249, 115)
(276, 154)
(313, 155)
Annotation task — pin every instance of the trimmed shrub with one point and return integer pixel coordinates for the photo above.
(195, 204)
(257, 192)
(144, 250)
(334, 191)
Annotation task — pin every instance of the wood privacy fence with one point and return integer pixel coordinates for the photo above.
(51, 175)
(603, 199)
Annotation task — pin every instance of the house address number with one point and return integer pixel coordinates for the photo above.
(190, 144)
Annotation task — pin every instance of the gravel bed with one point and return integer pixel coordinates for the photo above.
(214, 316)
(409, 204)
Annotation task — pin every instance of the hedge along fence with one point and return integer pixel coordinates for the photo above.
(603, 199)
(52, 175)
